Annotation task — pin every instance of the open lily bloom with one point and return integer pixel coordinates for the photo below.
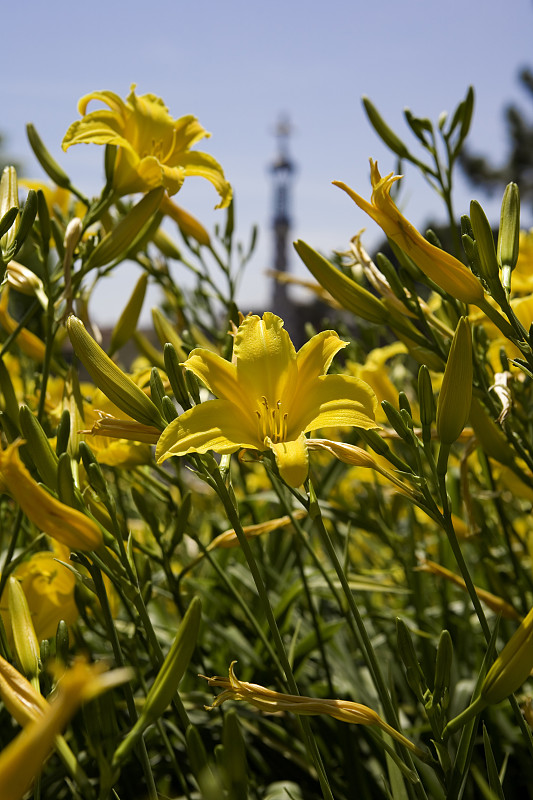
(268, 398)
(441, 267)
(153, 148)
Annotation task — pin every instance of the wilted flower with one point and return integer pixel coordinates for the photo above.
(270, 701)
(49, 589)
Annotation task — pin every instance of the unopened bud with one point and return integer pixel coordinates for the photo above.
(166, 683)
(346, 291)
(509, 233)
(488, 263)
(24, 636)
(385, 133)
(127, 323)
(455, 396)
(9, 198)
(50, 166)
(114, 383)
(128, 232)
(512, 667)
(426, 398)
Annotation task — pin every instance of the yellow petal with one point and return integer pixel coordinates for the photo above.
(335, 400)
(265, 359)
(315, 357)
(61, 522)
(214, 425)
(292, 459)
(441, 267)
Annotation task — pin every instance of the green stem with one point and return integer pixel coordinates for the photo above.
(288, 677)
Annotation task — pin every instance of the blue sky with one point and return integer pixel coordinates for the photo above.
(238, 64)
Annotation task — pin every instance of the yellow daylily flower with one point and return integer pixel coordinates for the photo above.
(29, 343)
(49, 589)
(441, 267)
(61, 522)
(269, 398)
(24, 757)
(153, 148)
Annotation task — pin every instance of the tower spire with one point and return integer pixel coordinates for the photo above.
(282, 171)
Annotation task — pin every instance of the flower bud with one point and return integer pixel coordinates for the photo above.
(24, 637)
(9, 198)
(455, 396)
(489, 435)
(509, 233)
(189, 226)
(50, 166)
(128, 232)
(426, 398)
(512, 667)
(166, 683)
(488, 263)
(346, 291)
(41, 453)
(127, 323)
(26, 282)
(114, 383)
(385, 133)
(443, 666)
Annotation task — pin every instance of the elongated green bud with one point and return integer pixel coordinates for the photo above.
(443, 666)
(234, 757)
(38, 446)
(346, 291)
(455, 396)
(27, 218)
(426, 398)
(489, 435)
(509, 233)
(512, 667)
(398, 421)
(114, 383)
(488, 263)
(62, 641)
(128, 233)
(406, 650)
(166, 333)
(9, 199)
(66, 490)
(24, 637)
(385, 133)
(7, 393)
(472, 253)
(380, 446)
(49, 164)
(391, 275)
(166, 683)
(176, 376)
(157, 390)
(125, 327)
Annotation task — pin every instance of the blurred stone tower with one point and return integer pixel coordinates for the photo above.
(282, 171)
